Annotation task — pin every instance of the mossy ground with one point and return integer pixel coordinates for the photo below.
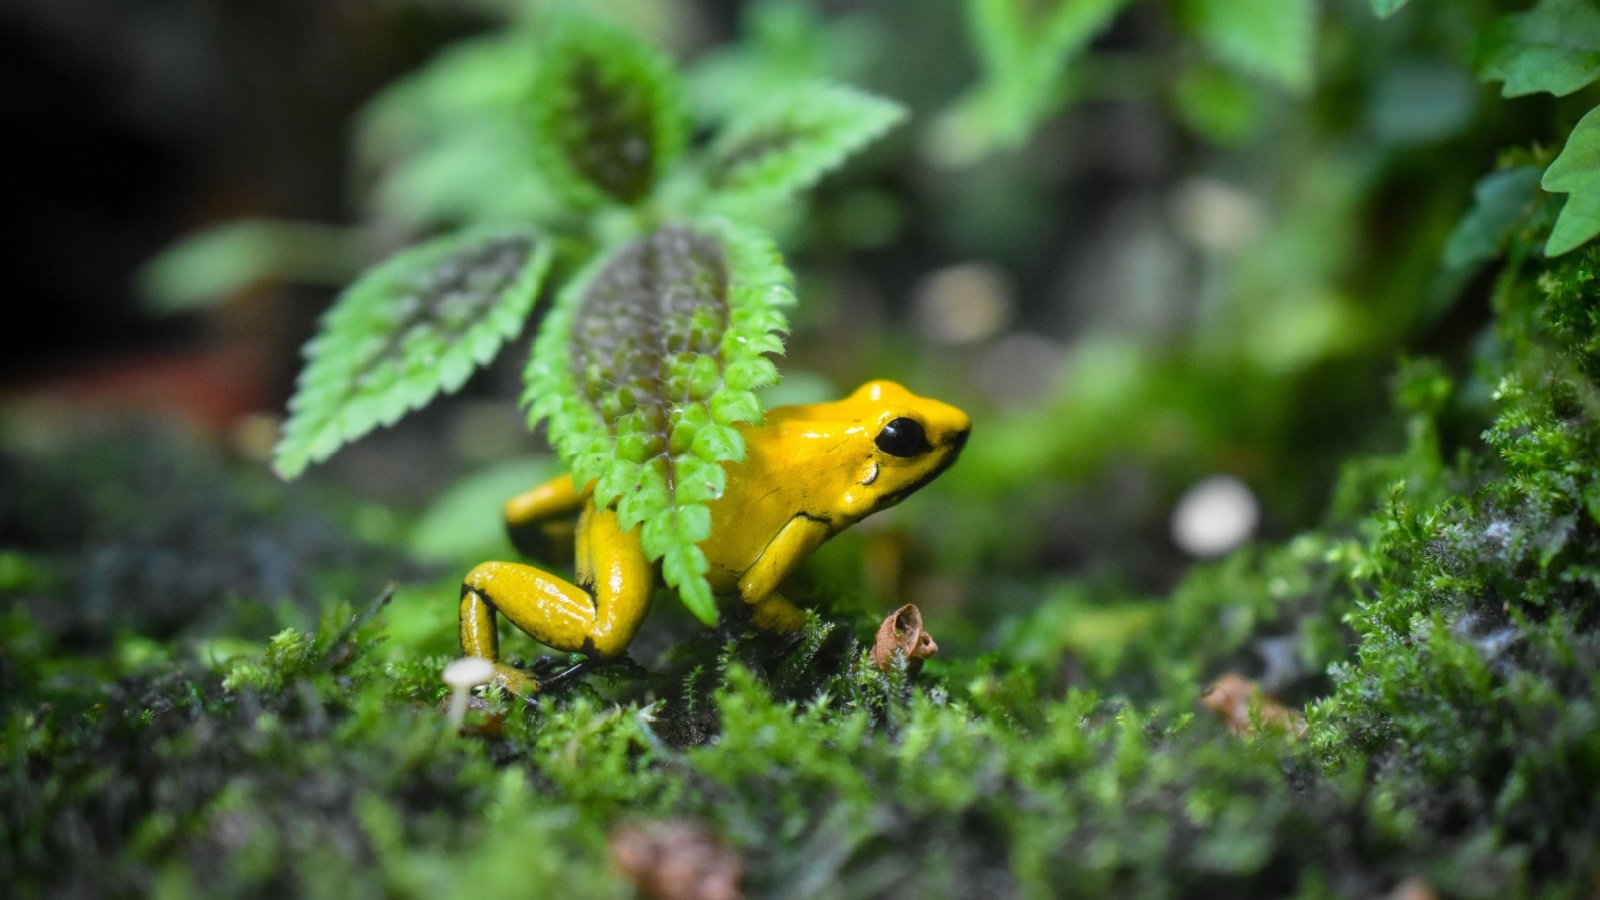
(1441, 629)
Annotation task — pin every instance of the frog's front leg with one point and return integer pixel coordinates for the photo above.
(597, 616)
(759, 584)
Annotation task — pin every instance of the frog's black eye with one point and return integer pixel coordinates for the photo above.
(903, 437)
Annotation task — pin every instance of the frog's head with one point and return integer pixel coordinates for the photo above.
(900, 442)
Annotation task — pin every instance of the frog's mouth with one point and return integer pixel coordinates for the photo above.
(952, 446)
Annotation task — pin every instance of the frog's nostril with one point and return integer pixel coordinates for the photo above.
(959, 440)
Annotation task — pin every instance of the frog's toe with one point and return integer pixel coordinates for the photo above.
(572, 672)
(515, 681)
(776, 615)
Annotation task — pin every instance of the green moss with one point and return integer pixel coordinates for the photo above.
(1473, 693)
(1442, 626)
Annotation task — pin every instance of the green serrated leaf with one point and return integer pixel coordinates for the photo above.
(1576, 173)
(1273, 39)
(1554, 47)
(1387, 8)
(1501, 202)
(632, 370)
(607, 113)
(413, 326)
(788, 143)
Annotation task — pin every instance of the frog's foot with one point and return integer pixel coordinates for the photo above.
(552, 610)
(516, 681)
(776, 615)
(571, 673)
(596, 616)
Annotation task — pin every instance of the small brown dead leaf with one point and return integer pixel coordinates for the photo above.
(678, 859)
(1232, 697)
(902, 631)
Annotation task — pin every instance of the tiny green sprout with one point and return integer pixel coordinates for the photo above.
(463, 675)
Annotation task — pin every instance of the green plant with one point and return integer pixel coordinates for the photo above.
(654, 349)
(1553, 48)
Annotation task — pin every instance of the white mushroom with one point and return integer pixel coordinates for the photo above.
(463, 675)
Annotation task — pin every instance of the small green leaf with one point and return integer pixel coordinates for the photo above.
(1576, 172)
(1387, 8)
(1502, 201)
(413, 326)
(1273, 39)
(1578, 222)
(1554, 47)
(638, 370)
(607, 113)
(788, 143)
(215, 264)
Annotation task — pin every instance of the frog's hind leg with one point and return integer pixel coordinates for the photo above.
(542, 522)
(597, 616)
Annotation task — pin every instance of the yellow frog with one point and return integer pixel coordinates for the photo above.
(809, 472)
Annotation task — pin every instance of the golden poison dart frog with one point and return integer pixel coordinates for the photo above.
(808, 473)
